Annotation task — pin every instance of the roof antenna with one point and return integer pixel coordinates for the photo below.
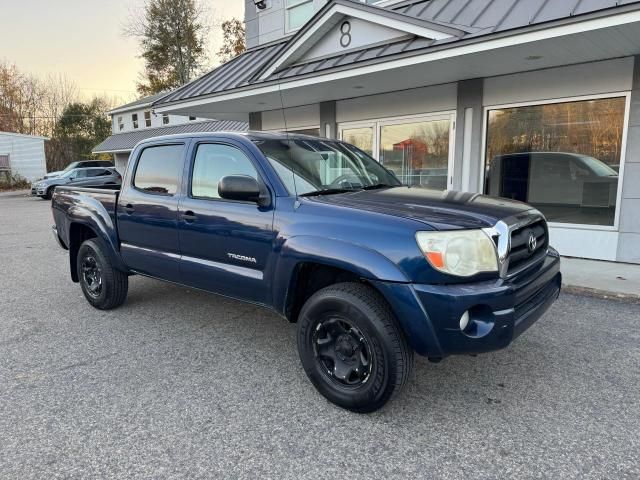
(286, 130)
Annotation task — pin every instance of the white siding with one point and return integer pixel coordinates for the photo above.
(296, 118)
(26, 155)
(120, 161)
(571, 81)
(156, 120)
(439, 98)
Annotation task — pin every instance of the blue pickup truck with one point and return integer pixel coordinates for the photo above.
(316, 230)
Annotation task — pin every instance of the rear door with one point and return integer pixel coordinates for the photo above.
(226, 245)
(148, 211)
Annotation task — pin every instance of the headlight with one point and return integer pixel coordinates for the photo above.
(462, 253)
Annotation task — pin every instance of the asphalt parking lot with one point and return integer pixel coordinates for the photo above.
(178, 383)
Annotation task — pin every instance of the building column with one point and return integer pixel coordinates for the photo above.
(328, 125)
(629, 225)
(467, 168)
(255, 121)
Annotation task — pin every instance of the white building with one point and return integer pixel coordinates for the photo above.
(136, 121)
(535, 100)
(22, 155)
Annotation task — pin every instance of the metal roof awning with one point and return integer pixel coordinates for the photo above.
(124, 142)
(499, 37)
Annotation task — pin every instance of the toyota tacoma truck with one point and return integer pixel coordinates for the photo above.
(372, 271)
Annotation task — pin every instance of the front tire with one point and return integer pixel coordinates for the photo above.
(49, 193)
(103, 286)
(352, 348)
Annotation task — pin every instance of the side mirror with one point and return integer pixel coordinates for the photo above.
(240, 188)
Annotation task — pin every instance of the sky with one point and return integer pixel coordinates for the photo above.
(83, 40)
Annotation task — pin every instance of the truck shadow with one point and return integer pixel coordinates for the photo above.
(488, 381)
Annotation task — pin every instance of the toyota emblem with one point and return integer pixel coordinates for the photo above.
(533, 242)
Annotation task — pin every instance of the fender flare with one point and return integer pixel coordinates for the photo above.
(93, 215)
(358, 259)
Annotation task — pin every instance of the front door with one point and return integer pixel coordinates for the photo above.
(226, 245)
(148, 212)
(419, 150)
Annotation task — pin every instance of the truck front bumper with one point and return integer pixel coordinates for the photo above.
(498, 311)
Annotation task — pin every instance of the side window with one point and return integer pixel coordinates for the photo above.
(159, 169)
(81, 174)
(214, 162)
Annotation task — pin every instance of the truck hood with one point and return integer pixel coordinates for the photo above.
(448, 210)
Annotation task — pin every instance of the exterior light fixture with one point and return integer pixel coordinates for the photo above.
(260, 4)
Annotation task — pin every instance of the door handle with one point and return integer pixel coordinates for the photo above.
(129, 208)
(189, 216)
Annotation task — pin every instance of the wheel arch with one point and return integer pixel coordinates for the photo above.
(308, 264)
(79, 231)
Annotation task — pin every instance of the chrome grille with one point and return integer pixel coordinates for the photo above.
(521, 253)
(514, 236)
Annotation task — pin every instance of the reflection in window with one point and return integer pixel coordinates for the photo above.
(213, 163)
(360, 137)
(562, 158)
(159, 169)
(418, 152)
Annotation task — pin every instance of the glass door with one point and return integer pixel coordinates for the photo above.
(419, 150)
(360, 136)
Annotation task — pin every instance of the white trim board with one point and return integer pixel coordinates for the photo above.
(330, 18)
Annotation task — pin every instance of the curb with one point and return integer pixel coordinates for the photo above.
(603, 294)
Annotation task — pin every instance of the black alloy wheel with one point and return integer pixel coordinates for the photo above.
(352, 347)
(342, 351)
(91, 274)
(104, 286)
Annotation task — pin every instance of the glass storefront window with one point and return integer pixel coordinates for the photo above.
(562, 158)
(360, 137)
(418, 153)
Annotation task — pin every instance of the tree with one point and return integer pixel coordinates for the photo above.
(81, 127)
(20, 98)
(173, 37)
(233, 41)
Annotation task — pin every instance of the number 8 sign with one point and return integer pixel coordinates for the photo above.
(345, 39)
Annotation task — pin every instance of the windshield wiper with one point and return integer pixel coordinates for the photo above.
(378, 186)
(327, 191)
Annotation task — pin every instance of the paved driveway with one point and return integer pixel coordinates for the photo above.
(177, 383)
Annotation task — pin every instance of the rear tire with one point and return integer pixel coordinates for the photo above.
(352, 348)
(103, 286)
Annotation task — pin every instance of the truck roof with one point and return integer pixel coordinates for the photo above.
(250, 135)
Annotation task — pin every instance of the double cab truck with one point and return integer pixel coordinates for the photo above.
(372, 271)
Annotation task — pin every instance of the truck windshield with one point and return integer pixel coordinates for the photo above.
(317, 167)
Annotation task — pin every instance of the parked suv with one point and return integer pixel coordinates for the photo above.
(318, 231)
(80, 164)
(79, 177)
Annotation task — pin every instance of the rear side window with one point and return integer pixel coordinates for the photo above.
(214, 162)
(159, 169)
